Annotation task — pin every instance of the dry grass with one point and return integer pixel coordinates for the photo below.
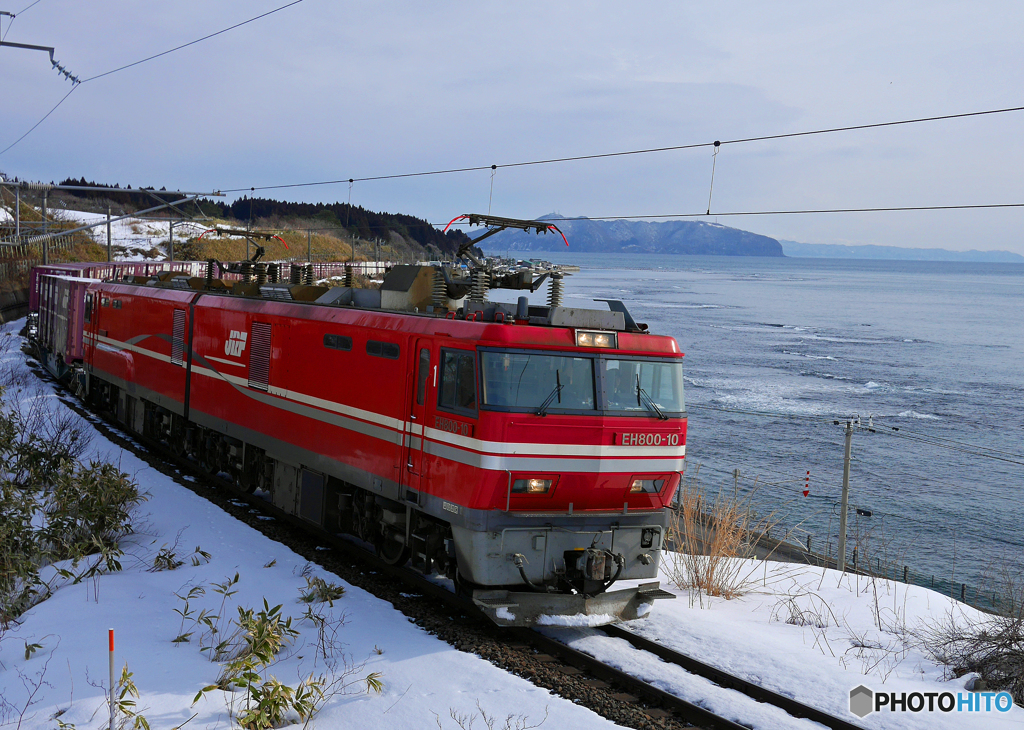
(713, 538)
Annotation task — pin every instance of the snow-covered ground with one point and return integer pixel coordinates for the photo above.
(817, 663)
(134, 239)
(807, 633)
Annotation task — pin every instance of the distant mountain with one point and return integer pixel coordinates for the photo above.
(839, 251)
(694, 238)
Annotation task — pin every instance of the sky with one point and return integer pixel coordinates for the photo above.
(332, 90)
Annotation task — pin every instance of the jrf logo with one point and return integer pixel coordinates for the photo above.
(235, 345)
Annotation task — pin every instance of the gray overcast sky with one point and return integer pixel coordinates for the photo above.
(326, 90)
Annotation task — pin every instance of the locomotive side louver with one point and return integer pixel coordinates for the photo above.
(178, 338)
(259, 355)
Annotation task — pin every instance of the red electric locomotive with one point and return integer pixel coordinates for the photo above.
(528, 452)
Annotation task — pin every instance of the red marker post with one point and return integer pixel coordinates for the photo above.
(807, 483)
(110, 636)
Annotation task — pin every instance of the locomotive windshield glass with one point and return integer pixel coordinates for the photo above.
(660, 383)
(527, 380)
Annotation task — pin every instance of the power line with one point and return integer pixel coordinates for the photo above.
(964, 448)
(963, 444)
(938, 441)
(649, 150)
(766, 414)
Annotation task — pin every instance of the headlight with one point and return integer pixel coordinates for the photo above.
(531, 486)
(595, 339)
(649, 486)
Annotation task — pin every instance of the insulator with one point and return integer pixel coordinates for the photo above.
(481, 280)
(555, 291)
(247, 271)
(210, 263)
(348, 275)
(273, 273)
(440, 294)
(296, 273)
(261, 274)
(308, 274)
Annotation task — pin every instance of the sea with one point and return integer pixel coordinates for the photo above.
(925, 358)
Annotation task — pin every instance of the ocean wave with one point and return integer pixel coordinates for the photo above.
(826, 376)
(681, 305)
(809, 357)
(915, 414)
(772, 404)
(842, 340)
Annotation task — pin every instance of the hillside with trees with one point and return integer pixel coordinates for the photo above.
(338, 219)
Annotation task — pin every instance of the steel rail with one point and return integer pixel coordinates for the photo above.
(680, 708)
(729, 681)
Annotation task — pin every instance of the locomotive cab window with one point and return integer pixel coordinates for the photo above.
(633, 385)
(531, 380)
(457, 391)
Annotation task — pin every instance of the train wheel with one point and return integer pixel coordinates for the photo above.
(393, 552)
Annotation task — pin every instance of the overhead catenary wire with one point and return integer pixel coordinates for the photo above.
(644, 151)
(14, 15)
(806, 211)
(33, 127)
(192, 43)
(144, 60)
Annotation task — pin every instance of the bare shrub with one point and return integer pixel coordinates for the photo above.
(993, 646)
(712, 540)
(805, 609)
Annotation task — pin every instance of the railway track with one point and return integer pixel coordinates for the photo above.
(545, 661)
(727, 681)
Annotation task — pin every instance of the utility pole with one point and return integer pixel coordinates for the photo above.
(17, 211)
(309, 245)
(845, 502)
(170, 241)
(46, 241)
(109, 259)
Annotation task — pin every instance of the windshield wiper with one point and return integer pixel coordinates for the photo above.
(642, 399)
(557, 392)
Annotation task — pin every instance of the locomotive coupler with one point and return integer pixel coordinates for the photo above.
(589, 570)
